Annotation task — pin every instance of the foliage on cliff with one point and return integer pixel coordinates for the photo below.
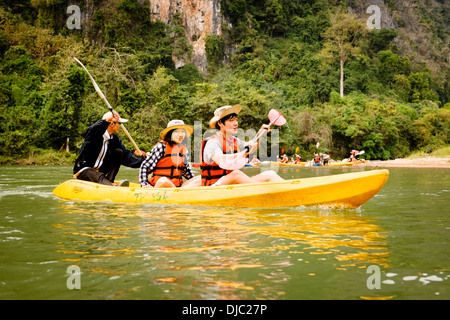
(272, 54)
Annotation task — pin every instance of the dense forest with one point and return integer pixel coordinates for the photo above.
(392, 98)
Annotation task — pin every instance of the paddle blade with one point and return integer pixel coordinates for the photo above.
(236, 162)
(276, 118)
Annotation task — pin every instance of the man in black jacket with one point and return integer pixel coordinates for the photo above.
(102, 152)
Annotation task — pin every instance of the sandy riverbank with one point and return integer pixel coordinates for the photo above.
(428, 162)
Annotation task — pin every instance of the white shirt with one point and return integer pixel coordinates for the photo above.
(103, 150)
(214, 146)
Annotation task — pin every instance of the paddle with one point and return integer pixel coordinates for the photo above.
(296, 155)
(100, 93)
(275, 118)
(238, 161)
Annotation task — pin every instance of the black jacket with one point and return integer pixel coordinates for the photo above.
(92, 145)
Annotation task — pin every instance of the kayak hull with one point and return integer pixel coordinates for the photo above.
(289, 164)
(349, 190)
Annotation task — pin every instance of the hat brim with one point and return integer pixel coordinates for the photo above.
(108, 114)
(234, 109)
(189, 130)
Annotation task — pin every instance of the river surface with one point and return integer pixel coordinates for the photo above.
(396, 246)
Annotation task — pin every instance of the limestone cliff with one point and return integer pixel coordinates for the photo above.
(199, 18)
(415, 37)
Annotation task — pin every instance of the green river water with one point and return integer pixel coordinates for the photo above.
(396, 246)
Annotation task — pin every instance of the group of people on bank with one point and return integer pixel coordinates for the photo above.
(102, 153)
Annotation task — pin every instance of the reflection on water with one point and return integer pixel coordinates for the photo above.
(127, 251)
(208, 250)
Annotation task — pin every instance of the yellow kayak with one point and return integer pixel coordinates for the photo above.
(309, 164)
(349, 190)
(339, 164)
(289, 164)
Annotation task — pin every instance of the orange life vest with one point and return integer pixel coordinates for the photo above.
(171, 165)
(316, 159)
(210, 171)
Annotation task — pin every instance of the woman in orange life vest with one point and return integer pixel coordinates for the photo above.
(168, 159)
(221, 144)
(316, 160)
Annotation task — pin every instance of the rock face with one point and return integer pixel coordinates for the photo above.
(199, 18)
(362, 8)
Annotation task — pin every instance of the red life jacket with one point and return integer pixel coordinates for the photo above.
(171, 165)
(317, 159)
(210, 171)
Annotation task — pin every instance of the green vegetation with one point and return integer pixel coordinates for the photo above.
(442, 152)
(392, 99)
(40, 157)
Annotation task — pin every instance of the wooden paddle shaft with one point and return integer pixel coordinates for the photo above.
(100, 93)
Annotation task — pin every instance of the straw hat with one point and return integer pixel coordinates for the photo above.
(109, 115)
(176, 124)
(222, 112)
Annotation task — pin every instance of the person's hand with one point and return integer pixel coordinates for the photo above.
(115, 117)
(141, 153)
(252, 146)
(147, 186)
(112, 117)
(265, 126)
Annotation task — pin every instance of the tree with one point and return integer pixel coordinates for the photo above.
(276, 22)
(390, 65)
(215, 51)
(340, 40)
(60, 118)
(380, 39)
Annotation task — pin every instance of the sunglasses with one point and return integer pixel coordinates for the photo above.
(116, 122)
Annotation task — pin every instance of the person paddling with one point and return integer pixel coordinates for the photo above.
(168, 160)
(255, 161)
(326, 158)
(316, 160)
(223, 144)
(102, 152)
(354, 155)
